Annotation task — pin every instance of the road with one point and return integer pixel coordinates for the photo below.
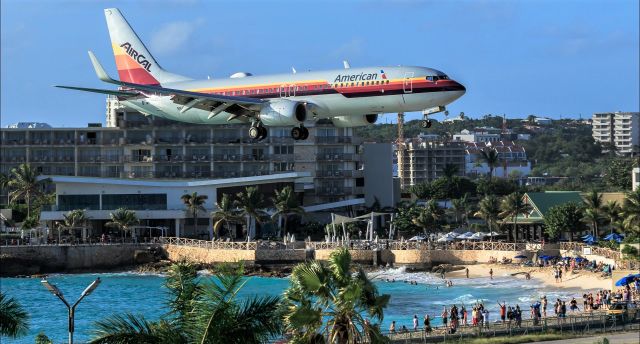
(621, 338)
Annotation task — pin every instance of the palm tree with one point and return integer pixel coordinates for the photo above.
(25, 185)
(490, 156)
(200, 311)
(429, 216)
(75, 218)
(286, 204)
(251, 202)
(489, 210)
(512, 206)
(224, 214)
(13, 318)
(123, 219)
(194, 204)
(631, 212)
(460, 208)
(450, 170)
(329, 301)
(593, 210)
(612, 212)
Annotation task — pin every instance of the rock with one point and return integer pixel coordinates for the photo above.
(143, 257)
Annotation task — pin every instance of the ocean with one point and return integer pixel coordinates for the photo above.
(144, 294)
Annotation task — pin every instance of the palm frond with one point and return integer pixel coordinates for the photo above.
(13, 318)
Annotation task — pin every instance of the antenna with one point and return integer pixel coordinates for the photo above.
(346, 64)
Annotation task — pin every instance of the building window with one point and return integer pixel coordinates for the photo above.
(135, 201)
(73, 202)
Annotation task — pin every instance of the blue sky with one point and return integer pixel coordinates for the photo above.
(552, 58)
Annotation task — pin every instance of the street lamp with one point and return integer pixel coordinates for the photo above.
(72, 308)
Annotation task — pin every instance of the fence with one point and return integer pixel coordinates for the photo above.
(214, 245)
(572, 324)
(628, 264)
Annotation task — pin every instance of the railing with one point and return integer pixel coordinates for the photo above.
(214, 245)
(463, 245)
(599, 251)
(577, 324)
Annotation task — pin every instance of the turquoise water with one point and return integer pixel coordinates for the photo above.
(136, 293)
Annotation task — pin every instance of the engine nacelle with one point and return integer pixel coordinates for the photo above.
(354, 121)
(283, 113)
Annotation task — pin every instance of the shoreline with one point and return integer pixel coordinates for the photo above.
(584, 280)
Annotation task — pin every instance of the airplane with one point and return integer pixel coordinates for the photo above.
(349, 97)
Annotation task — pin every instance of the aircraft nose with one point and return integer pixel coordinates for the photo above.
(460, 87)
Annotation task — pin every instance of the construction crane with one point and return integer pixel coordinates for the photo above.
(400, 147)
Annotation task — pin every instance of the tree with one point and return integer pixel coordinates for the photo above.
(561, 218)
(617, 173)
(286, 204)
(194, 204)
(592, 213)
(25, 185)
(13, 318)
(404, 220)
(251, 202)
(200, 311)
(496, 186)
(429, 217)
(490, 156)
(329, 301)
(450, 170)
(74, 218)
(422, 190)
(460, 209)
(511, 207)
(489, 210)
(631, 213)
(224, 214)
(123, 219)
(612, 211)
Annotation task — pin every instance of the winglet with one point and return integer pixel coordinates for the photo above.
(100, 72)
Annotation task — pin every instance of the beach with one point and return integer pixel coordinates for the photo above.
(581, 279)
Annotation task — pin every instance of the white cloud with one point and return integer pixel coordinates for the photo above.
(173, 36)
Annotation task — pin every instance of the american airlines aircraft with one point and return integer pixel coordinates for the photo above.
(349, 97)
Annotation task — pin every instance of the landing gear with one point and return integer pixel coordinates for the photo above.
(300, 133)
(426, 123)
(258, 132)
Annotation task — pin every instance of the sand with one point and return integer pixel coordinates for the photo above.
(581, 279)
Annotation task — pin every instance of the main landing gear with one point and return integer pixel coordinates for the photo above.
(426, 123)
(300, 133)
(258, 132)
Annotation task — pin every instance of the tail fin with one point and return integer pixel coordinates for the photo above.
(134, 61)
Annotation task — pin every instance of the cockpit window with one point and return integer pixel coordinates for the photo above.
(437, 77)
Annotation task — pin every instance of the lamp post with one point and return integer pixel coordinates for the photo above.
(72, 308)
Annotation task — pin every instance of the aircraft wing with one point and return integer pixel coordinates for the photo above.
(215, 103)
(97, 90)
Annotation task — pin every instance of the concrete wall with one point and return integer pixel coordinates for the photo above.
(423, 257)
(208, 256)
(358, 256)
(38, 259)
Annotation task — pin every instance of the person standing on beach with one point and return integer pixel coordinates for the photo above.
(464, 315)
(427, 324)
(491, 273)
(392, 328)
(467, 271)
(503, 310)
(445, 315)
(544, 306)
(560, 275)
(415, 322)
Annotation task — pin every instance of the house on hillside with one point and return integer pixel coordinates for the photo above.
(530, 227)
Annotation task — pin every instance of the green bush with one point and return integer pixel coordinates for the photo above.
(630, 251)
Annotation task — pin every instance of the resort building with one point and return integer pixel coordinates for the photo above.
(477, 135)
(512, 157)
(134, 146)
(618, 129)
(531, 226)
(425, 161)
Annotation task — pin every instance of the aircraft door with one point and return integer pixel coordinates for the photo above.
(292, 90)
(407, 84)
(283, 91)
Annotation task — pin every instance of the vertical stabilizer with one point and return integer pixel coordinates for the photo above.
(134, 61)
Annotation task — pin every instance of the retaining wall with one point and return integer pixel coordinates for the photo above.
(208, 256)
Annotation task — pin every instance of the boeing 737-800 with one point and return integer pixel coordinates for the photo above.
(349, 97)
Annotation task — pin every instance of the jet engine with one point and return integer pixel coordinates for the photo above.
(283, 113)
(354, 121)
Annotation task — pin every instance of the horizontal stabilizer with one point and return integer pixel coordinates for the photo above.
(97, 90)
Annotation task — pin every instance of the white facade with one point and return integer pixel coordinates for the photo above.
(635, 178)
(620, 129)
(512, 157)
(469, 136)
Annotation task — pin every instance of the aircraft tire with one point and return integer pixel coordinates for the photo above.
(296, 133)
(305, 133)
(424, 124)
(254, 133)
(263, 133)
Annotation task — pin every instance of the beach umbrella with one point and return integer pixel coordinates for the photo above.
(520, 256)
(566, 258)
(478, 236)
(445, 239)
(627, 279)
(417, 238)
(492, 234)
(579, 259)
(466, 235)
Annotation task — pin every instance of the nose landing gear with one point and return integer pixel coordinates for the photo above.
(300, 133)
(426, 123)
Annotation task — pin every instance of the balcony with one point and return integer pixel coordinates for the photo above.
(226, 174)
(138, 158)
(333, 174)
(333, 139)
(335, 157)
(334, 191)
(282, 157)
(169, 158)
(252, 157)
(197, 157)
(227, 157)
(255, 173)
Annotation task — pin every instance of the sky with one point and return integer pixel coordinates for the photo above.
(550, 58)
